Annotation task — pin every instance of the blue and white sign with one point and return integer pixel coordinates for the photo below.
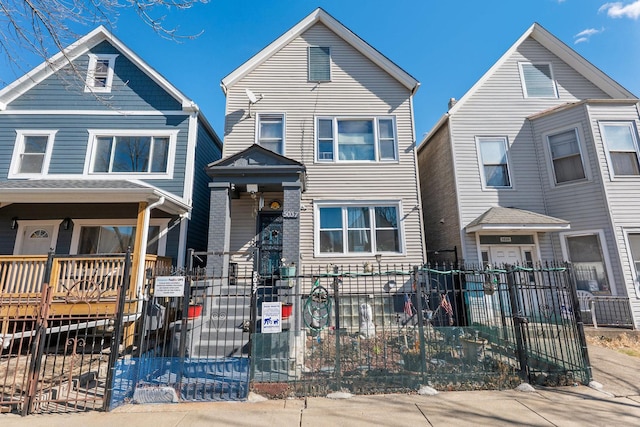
(271, 317)
(169, 286)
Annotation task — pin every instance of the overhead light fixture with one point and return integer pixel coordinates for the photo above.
(253, 98)
(14, 222)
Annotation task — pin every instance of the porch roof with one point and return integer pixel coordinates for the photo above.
(513, 219)
(86, 191)
(257, 165)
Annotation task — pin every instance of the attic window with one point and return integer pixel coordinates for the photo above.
(100, 73)
(319, 64)
(537, 80)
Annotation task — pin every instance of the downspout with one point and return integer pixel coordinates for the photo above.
(140, 274)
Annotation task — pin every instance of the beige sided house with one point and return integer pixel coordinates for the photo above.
(319, 164)
(538, 161)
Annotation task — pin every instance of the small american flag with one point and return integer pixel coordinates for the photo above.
(408, 307)
(446, 305)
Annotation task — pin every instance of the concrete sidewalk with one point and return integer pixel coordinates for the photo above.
(618, 403)
(564, 406)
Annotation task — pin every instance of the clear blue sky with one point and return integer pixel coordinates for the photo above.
(446, 45)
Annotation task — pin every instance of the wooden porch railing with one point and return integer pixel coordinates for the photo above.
(74, 278)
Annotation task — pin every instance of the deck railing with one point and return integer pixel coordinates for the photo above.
(73, 277)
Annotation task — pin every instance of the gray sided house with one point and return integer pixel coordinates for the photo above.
(319, 164)
(539, 160)
(92, 152)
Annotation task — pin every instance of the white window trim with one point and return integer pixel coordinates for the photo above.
(376, 137)
(95, 133)
(93, 58)
(284, 129)
(309, 64)
(603, 247)
(634, 134)
(18, 150)
(632, 267)
(22, 223)
(163, 223)
(583, 156)
(507, 147)
(524, 84)
(366, 203)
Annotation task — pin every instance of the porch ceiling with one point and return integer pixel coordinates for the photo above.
(86, 191)
(512, 219)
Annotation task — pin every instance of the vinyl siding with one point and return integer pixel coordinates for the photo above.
(207, 151)
(622, 196)
(71, 141)
(439, 194)
(498, 108)
(131, 90)
(358, 88)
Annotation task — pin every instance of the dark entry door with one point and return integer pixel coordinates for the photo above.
(269, 243)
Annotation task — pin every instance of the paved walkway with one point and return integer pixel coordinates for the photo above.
(617, 404)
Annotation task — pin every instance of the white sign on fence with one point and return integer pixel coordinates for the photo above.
(169, 286)
(271, 317)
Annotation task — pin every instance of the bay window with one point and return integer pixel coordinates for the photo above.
(566, 157)
(622, 147)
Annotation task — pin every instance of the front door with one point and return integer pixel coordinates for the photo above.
(36, 239)
(500, 255)
(269, 243)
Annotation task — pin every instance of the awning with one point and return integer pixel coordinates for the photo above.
(512, 219)
(86, 191)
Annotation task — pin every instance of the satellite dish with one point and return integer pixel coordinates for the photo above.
(252, 96)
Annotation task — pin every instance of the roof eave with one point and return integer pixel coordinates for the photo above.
(518, 227)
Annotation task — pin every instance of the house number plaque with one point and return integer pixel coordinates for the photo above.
(290, 214)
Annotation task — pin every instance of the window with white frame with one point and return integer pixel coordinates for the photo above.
(319, 64)
(622, 147)
(564, 148)
(354, 139)
(131, 152)
(32, 152)
(495, 164)
(115, 236)
(586, 256)
(358, 229)
(634, 243)
(271, 132)
(537, 80)
(100, 73)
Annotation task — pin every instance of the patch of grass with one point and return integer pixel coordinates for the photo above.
(623, 343)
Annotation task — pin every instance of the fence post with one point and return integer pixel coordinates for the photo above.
(336, 296)
(117, 331)
(575, 304)
(37, 344)
(423, 350)
(519, 320)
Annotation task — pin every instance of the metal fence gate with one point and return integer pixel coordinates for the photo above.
(57, 347)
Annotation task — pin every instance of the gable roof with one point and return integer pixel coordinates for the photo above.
(74, 51)
(321, 16)
(508, 219)
(562, 51)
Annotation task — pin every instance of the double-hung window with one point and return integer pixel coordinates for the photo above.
(106, 236)
(634, 243)
(567, 162)
(355, 139)
(271, 132)
(585, 253)
(132, 152)
(537, 80)
(622, 146)
(32, 153)
(100, 73)
(319, 64)
(495, 164)
(358, 229)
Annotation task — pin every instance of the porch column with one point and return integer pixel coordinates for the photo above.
(219, 229)
(291, 222)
